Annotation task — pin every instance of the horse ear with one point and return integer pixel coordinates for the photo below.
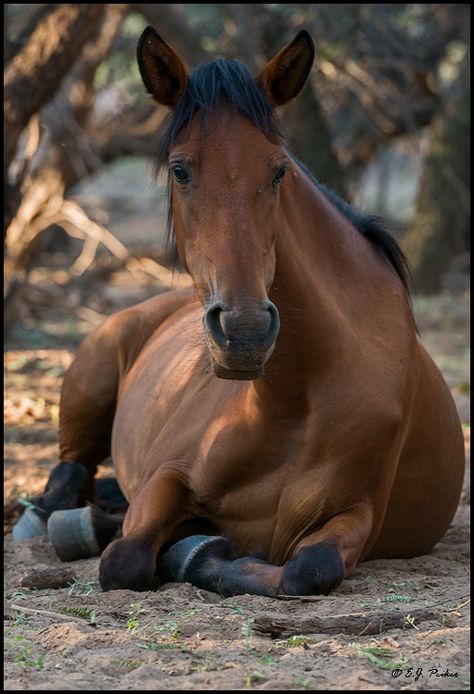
(162, 71)
(284, 76)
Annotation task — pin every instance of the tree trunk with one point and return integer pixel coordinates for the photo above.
(60, 161)
(35, 73)
(309, 134)
(440, 229)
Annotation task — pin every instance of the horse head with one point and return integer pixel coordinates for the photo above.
(223, 149)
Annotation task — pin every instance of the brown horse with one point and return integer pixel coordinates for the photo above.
(279, 422)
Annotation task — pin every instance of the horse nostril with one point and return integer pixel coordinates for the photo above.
(215, 323)
(274, 322)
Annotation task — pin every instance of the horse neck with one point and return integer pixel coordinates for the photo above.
(322, 282)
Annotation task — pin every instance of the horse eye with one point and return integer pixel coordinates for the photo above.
(279, 175)
(180, 174)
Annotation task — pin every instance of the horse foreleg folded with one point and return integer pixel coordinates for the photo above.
(208, 563)
(320, 561)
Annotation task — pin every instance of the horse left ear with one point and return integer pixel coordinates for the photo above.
(284, 76)
(162, 70)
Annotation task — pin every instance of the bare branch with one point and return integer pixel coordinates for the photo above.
(36, 72)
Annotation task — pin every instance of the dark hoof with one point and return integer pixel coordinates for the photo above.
(181, 560)
(72, 534)
(128, 564)
(30, 525)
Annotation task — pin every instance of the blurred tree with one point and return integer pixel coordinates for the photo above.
(439, 234)
(35, 72)
(85, 104)
(49, 161)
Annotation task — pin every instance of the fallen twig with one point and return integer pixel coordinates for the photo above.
(357, 623)
(46, 613)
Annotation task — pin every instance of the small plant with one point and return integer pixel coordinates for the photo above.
(171, 627)
(304, 682)
(207, 666)
(251, 678)
(268, 660)
(83, 587)
(162, 645)
(410, 620)
(21, 620)
(396, 598)
(126, 663)
(82, 612)
(136, 610)
(25, 658)
(397, 584)
(247, 629)
(296, 641)
(235, 608)
(377, 656)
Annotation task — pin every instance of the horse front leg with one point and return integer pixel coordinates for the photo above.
(319, 563)
(158, 507)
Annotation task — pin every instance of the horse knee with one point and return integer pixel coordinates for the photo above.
(130, 564)
(314, 570)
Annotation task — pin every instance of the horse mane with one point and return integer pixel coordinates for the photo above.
(229, 82)
(370, 226)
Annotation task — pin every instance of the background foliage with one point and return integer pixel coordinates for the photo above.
(384, 120)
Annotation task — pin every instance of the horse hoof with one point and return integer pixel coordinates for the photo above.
(175, 564)
(72, 534)
(30, 525)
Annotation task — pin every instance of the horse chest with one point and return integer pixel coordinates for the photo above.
(242, 486)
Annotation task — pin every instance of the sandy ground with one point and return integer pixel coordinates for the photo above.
(392, 625)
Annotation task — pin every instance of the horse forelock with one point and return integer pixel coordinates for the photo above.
(212, 85)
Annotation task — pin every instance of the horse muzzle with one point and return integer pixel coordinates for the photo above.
(240, 341)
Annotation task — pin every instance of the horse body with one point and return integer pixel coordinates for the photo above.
(270, 461)
(334, 442)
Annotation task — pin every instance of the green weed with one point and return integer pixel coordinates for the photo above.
(25, 658)
(126, 663)
(304, 682)
(268, 660)
(83, 587)
(296, 641)
(82, 612)
(396, 598)
(377, 656)
(251, 678)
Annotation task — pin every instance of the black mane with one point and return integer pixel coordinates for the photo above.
(210, 85)
(229, 82)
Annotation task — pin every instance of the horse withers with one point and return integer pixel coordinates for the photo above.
(279, 422)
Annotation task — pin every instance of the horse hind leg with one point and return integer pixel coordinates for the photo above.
(87, 409)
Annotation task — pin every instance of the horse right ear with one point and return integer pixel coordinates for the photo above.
(162, 71)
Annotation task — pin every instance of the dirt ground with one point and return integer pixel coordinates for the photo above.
(392, 625)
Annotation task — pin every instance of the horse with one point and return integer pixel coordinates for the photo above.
(278, 422)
